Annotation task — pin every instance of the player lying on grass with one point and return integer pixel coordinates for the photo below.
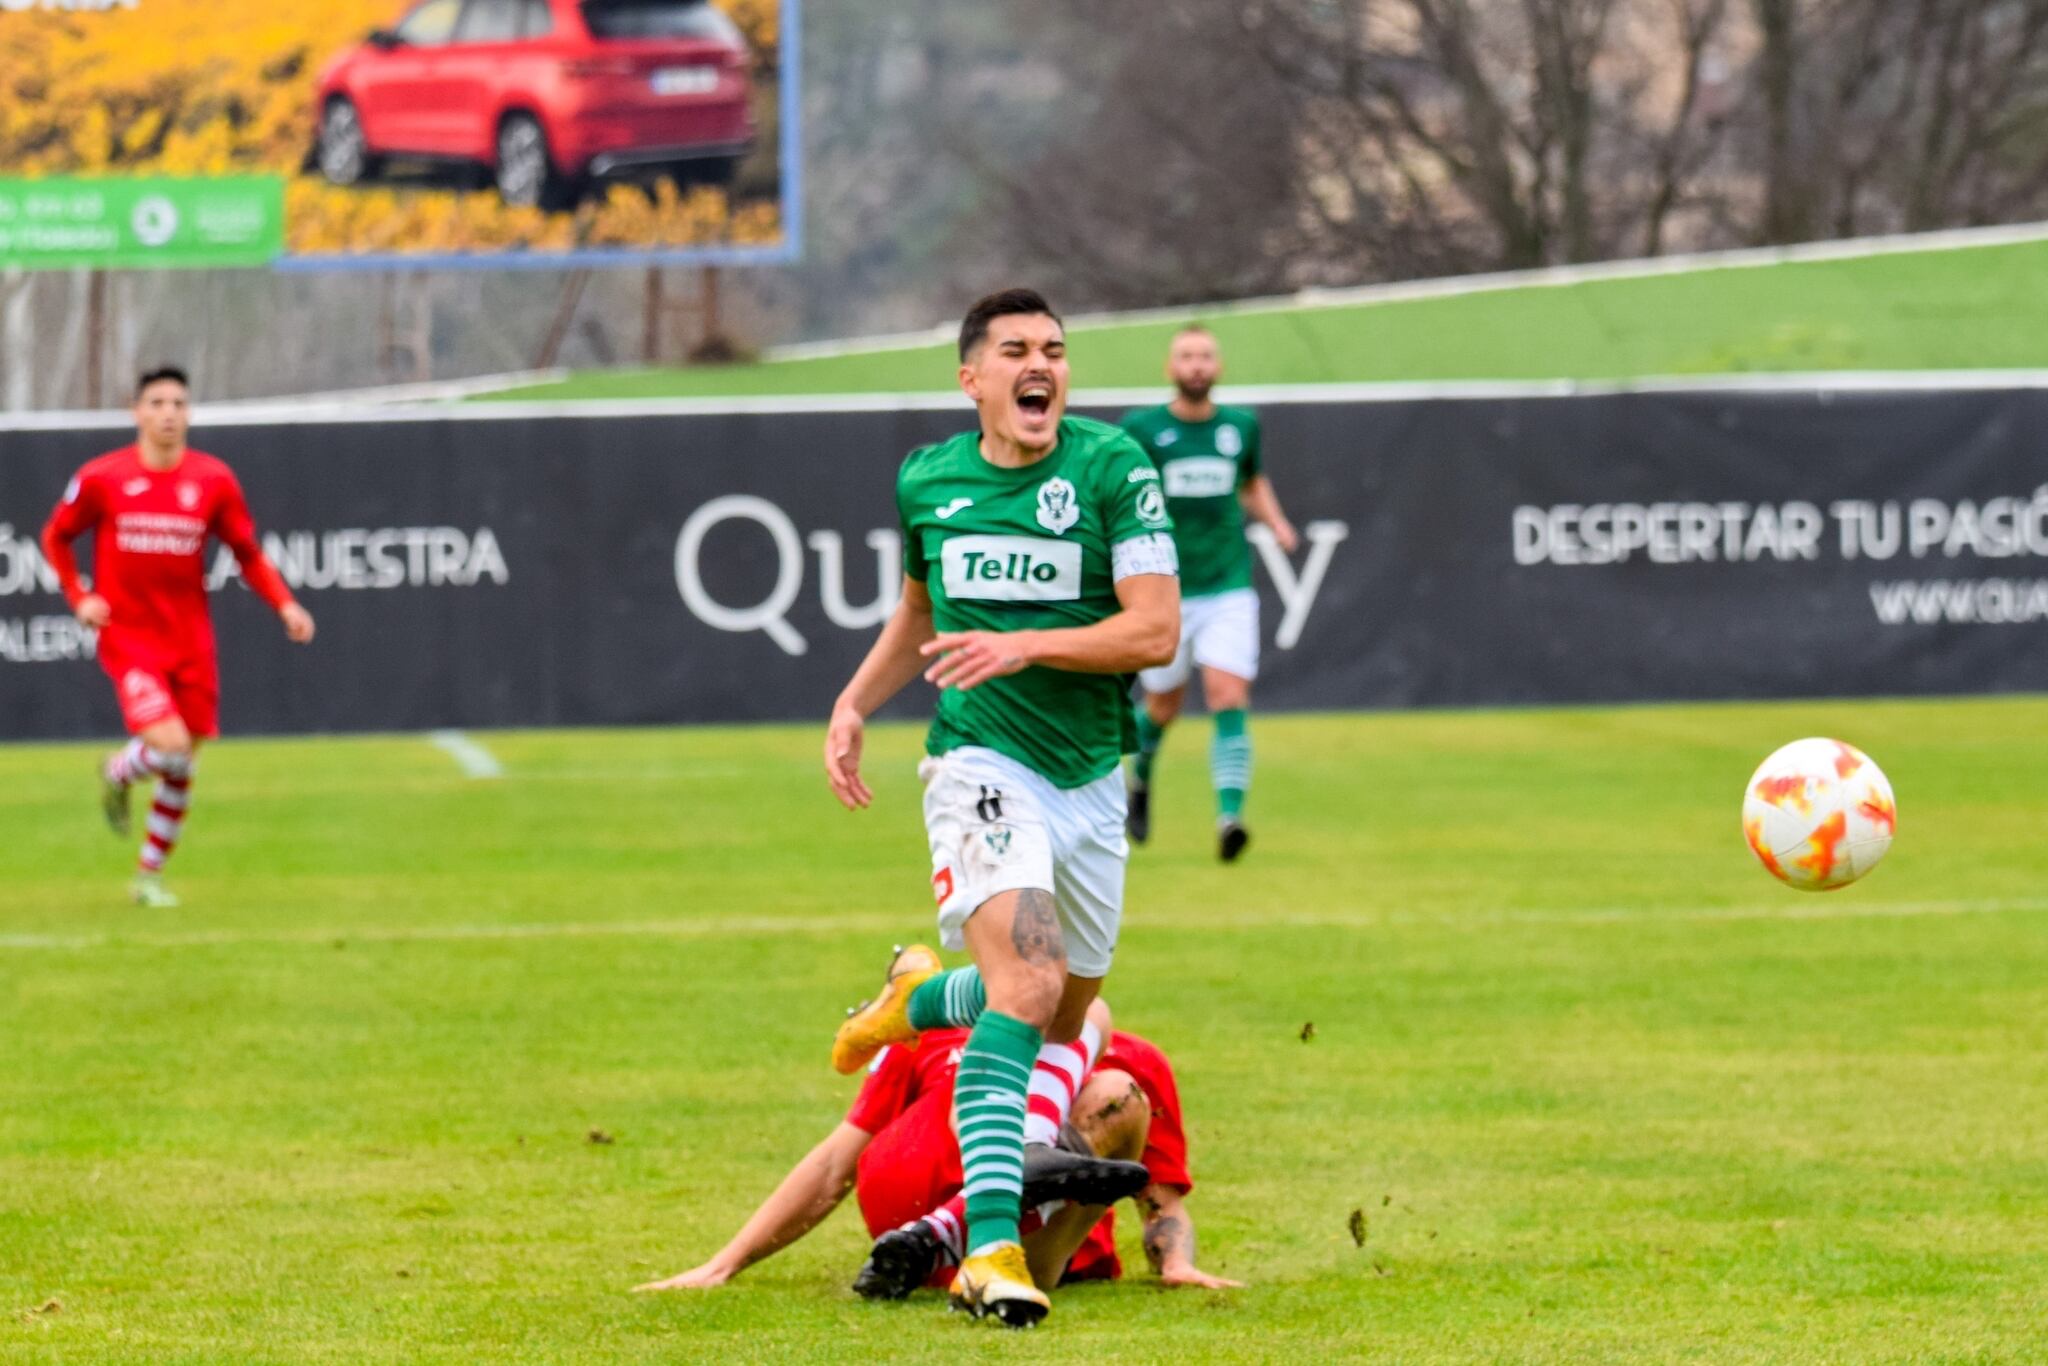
(896, 1150)
(1128, 1108)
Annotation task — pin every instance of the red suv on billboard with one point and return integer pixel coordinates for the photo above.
(545, 94)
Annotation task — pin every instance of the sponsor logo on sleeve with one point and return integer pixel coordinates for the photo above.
(1201, 476)
(1141, 474)
(1151, 506)
(1011, 569)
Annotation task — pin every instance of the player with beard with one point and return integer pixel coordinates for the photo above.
(151, 507)
(1210, 461)
(1038, 576)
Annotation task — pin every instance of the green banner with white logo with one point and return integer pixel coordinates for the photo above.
(141, 223)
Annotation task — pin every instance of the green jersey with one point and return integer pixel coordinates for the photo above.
(1204, 465)
(1030, 549)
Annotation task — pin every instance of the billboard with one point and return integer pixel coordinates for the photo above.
(523, 567)
(324, 134)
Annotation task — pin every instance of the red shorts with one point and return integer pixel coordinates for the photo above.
(911, 1167)
(152, 691)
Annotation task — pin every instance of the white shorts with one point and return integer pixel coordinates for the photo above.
(997, 826)
(1217, 631)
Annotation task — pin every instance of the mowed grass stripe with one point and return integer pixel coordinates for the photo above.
(765, 926)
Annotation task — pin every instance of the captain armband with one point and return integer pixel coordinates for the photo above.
(1152, 553)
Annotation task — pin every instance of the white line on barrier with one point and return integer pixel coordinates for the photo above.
(1820, 384)
(742, 925)
(474, 760)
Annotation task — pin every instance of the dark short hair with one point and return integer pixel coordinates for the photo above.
(1004, 303)
(159, 375)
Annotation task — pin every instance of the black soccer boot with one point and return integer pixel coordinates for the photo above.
(1054, 1174)
(900, 1261)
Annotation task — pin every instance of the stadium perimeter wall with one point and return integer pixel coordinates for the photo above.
(502, 566)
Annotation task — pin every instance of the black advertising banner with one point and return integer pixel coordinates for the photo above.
(531, 570)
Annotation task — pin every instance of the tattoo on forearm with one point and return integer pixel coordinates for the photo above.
(1164, 1237)
(1036, 930)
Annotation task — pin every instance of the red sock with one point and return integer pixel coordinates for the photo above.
(136, 761)
(166, 821)
(949, 1221)
(1055, 1081)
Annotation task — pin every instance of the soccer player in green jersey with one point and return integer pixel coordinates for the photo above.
(1039, 574)
(1208, 457)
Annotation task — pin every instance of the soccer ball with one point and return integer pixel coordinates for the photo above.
(1819, 814)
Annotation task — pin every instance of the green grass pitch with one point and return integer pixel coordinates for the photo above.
(1600, 1089)
(1977, 307)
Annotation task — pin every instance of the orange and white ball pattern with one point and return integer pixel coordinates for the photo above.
(1819, 814)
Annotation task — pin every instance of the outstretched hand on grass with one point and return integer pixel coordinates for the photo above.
(1201, 1280)
(696, 1278)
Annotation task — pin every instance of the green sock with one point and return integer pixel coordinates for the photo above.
(951, 1000)
(1230, 763)
(1150, 733)
(990, 1093)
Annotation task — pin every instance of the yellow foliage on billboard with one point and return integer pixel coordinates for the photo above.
(422, 128)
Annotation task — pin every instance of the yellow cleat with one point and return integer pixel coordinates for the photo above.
(996, 1283)
(873, 1025)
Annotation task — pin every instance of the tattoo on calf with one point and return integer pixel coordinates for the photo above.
(1036, 930)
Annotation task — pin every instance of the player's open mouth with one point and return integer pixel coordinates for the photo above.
(1035, 399)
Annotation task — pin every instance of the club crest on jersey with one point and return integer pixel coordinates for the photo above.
(1058, 506)
(1229, 440)
(188, 495)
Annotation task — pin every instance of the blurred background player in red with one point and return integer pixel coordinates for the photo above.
(896, 1150)
(150, 508)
